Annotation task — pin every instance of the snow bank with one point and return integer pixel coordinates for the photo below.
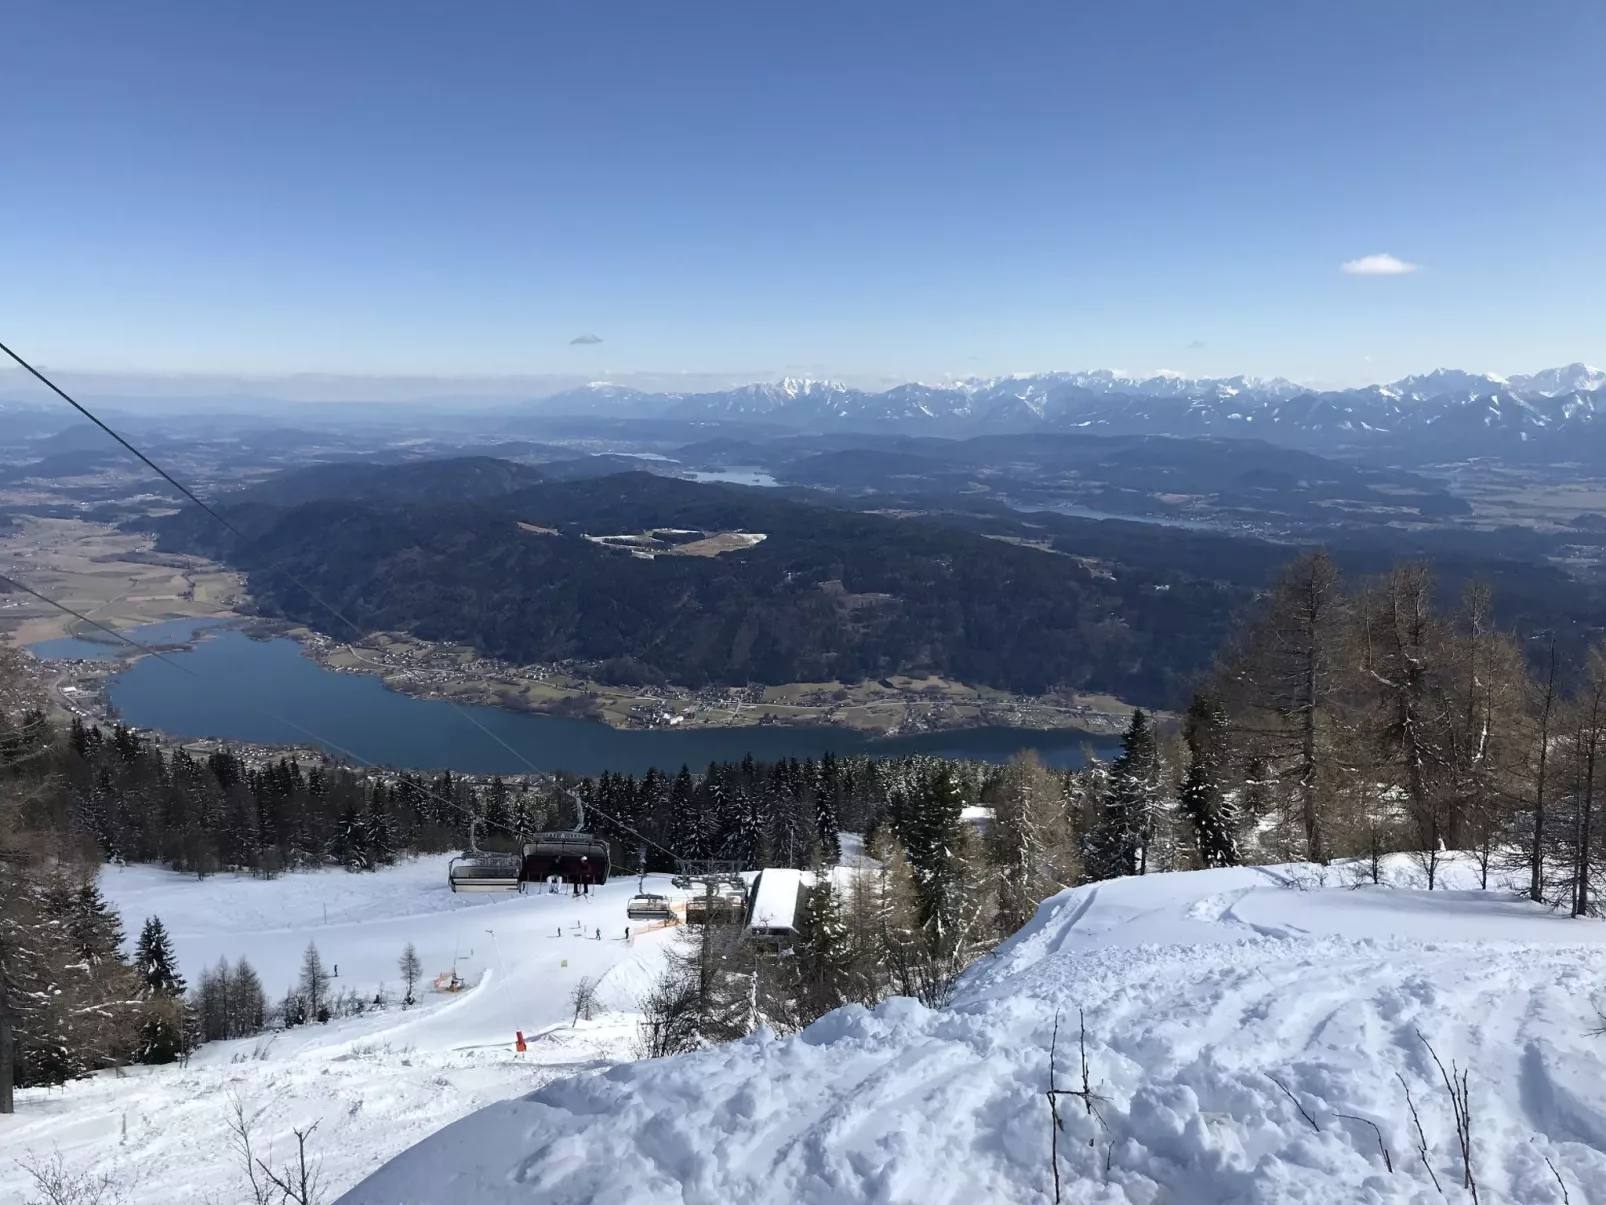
(1197, 989)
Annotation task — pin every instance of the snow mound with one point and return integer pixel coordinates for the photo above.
(1205, 995)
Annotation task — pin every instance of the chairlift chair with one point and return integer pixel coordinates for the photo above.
(571, 857)
(648, 907)
(476, 870)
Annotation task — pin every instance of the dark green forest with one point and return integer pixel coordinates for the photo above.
(830, 594)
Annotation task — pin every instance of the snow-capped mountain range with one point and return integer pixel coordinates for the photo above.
(1456, 411)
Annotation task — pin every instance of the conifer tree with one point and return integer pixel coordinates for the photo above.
(97, 929)
(1118, 842)
(685, 821)
(827, 823)
(164, 1033)
(314, 984)
(930, 833)
(1030, 839)
(1204, 801)
(155, 961)
(823, 956)
(412, 970)
(248, 1003)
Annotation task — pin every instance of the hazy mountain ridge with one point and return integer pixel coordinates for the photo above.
(1452, 410)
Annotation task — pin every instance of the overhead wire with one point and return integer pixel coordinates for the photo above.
(273, 562)
(277, 565)
(315, 737)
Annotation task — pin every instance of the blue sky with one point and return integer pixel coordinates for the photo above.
(854, 189)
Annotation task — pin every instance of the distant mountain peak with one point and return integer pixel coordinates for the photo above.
(1465, 410)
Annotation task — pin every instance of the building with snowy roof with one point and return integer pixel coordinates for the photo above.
(776, 898)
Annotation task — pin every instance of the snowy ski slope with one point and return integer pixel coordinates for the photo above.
(1198, 989)
(376, 1083)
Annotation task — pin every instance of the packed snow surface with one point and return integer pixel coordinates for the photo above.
(374, 1084)
(1205, 996)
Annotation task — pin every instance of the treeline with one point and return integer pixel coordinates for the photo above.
(1343, 723)
(143, 803)
(937, 888)
(1354, 721)
(140, 802)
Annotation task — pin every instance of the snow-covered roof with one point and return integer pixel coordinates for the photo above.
(775, 900)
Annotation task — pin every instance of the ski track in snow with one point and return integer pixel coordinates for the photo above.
(1197, 989)
(375, 1084)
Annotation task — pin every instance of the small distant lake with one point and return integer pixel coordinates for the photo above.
(266, 691)
(1088, 512)
(98, 646)
(735, 476)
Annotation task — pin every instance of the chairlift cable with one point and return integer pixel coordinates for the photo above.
(471, 816)
(274, 563)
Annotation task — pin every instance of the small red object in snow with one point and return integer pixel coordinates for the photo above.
(518, 1041)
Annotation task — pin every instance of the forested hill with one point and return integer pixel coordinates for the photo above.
(457, 479)
(827, 594)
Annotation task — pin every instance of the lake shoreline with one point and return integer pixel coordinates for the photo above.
(261, 691)
(894, 706)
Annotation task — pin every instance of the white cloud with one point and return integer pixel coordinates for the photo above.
(1377, 265)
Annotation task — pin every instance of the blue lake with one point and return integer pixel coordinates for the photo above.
(98, 646)
(266, 691)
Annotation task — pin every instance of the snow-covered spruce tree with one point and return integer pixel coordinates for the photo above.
(929, 829)
(1030, 840)
(822, 958)
(1118, 842)
(155, 961)
(1085, 788)
(165, 1032)
(750, 803)
(685, 818)
(790, 816)
(827, 795)
(35, 1008)
(96, 928)
(381, 835)
(1204, 801)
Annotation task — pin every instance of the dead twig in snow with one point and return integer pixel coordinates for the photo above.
(1421, 1138)
(1388, 1161)
(1455, 1084)
(300, 1184)
(1560, 1183)
(1295, 1099)
(1090, 1099)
